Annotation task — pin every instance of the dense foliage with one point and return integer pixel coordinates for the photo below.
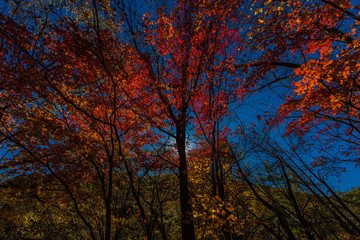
(123, 119)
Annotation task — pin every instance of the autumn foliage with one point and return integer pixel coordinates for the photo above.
(119, 121)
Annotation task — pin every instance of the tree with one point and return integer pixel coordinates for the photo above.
(299, 202)
(210, 177)
(314, 44)
(184, 51)
(63, 113)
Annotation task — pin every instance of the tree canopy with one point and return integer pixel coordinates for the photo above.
(123, 119)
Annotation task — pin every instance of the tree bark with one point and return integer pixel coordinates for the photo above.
(187, 219)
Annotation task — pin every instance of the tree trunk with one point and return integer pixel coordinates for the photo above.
(108, 199)
(187, 220)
